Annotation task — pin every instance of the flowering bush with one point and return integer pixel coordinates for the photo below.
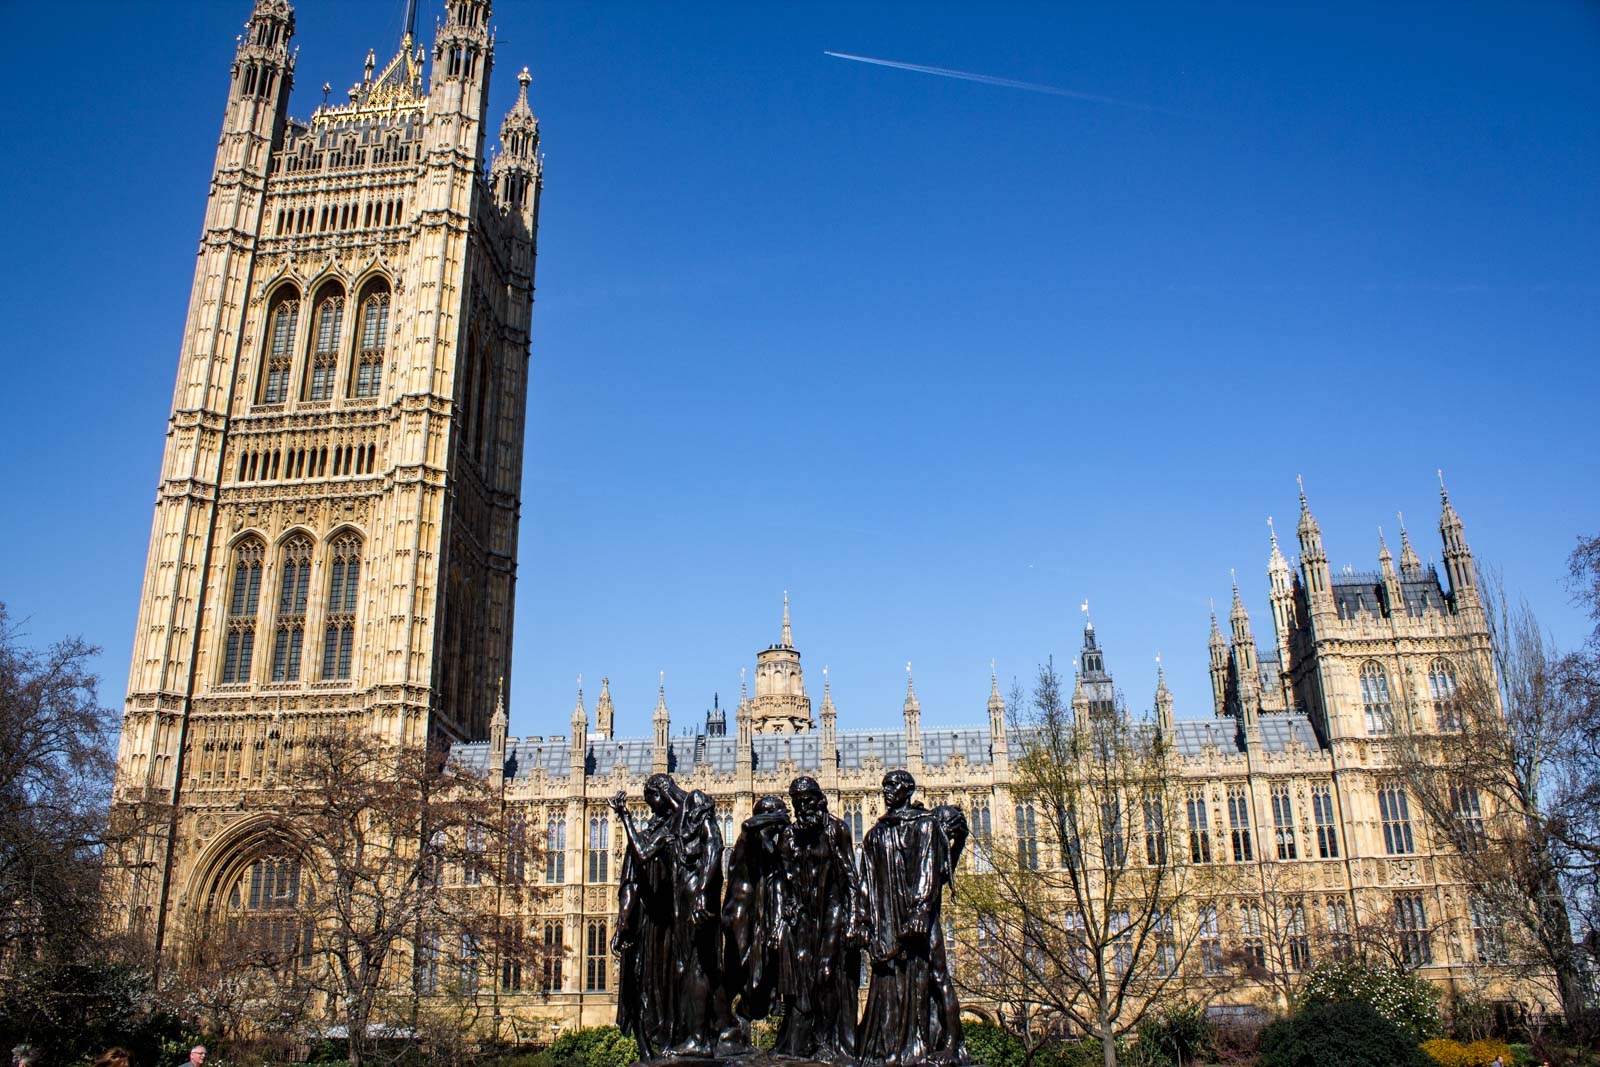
(1460, 1054)
(1397, 995)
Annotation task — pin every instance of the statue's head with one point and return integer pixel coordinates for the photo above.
(770, 806)
(897, 789)
(810, 802)
(662, 793)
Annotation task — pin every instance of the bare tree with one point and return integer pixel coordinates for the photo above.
(412, 867)
(56, 762)
(1076, 920)
(1488, 771)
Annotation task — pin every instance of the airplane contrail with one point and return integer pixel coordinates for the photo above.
(1005, 83)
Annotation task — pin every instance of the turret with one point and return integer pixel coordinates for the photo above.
(1457, 555)
(517, 173)
(999, 748)
(497, 738)
(1281, 580)
(1080, 700)
(263, 74)
(913, 713)
(253, 125)
(744, 732)
(828, 742)
(1316, 579)
(1391, 581)
(781, 704)
(716, 718)
(1163, 704)
(662, 721)
(580, 738)
(605, 714)
(1246, 676)
(463, 52)
(1219, 668)
(1410, 565)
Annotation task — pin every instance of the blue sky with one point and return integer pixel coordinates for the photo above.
(940, 358)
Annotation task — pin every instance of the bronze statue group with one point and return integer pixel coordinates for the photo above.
(700, 964)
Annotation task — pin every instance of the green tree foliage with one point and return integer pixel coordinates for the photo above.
(1401, 997)
(1347, 1033)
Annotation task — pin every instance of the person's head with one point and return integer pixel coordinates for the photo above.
(197, 1055)
(897, 789)
(662, 793)
(115, 1057)
(25, 1056)
(810, 802)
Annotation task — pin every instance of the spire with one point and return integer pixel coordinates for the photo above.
(1308, 522)
(605, 714)
(786, 638)
(1385, 561)
(517, 169)
(579, 715)
(1216, 640)
(662, 721)
(1410, 565)
(1163, 701)
(1457, 553)
(497, 736)
(499, 717)
(1238, 604)
(827, 692)
(996, 701)
(1276, 564)
(913, 725)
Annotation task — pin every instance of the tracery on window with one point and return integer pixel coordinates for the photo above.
(294, 586)
(244, 597)
(371, 339)
(1375, 703)
(1442, 691)
(264, 907)
(324, 357)
(339, 633)
(279, 348)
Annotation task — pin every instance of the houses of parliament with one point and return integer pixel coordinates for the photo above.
(335, 540)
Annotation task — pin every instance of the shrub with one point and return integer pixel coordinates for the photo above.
(992, 1046)
(1449, 1053)
(1400, 997)
(595, 1046)
(1178, 1036)
(1347, 1033)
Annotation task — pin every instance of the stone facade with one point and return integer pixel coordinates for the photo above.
(1289, 769)
(335, 530)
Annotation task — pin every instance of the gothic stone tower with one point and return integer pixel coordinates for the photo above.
(335, 528)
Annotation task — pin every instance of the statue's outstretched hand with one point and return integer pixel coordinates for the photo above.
(619, 802)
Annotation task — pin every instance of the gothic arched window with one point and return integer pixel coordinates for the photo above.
(324, 355)
(294, 586)
(599, 848)
(371, 339)
(1442, 690)
(244, 601)
(266, 907)
(278, 349)
(555, 859)
(1375, 704)
(339, 632)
